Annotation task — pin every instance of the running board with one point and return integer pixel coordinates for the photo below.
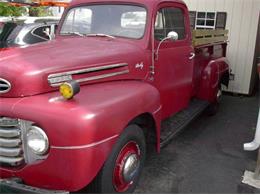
(173, 125)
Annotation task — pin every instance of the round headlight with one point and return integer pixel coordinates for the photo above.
(37, 140)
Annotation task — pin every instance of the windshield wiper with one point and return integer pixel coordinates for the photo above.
(100, 35)
(73, 33)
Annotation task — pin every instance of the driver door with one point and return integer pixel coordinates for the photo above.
(174, 66)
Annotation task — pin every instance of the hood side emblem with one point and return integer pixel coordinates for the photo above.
(5, 86)
(140, 66)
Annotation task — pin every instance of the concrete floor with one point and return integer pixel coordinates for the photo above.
(208, 156)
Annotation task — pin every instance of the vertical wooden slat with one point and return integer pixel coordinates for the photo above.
(220, 5)
(209, 5)
(203, 5)
(188, 4)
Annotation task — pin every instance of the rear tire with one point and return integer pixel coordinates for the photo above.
(122, 170)
(213, 108)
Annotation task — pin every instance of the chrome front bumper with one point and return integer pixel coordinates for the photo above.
(15, 185)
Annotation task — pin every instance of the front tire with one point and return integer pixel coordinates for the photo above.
(122, 170)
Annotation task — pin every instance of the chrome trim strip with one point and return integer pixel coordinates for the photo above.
(7, 84)
(12, 161)
(103, 76)
(4, 85)
(85, 146)
(10, 143)
(8, 122)
(10, 152)
(9, 133)
(159, 109)
(88, 70)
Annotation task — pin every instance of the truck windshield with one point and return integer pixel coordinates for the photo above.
(114, 20)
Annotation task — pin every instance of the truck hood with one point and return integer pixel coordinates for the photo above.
(41, 67)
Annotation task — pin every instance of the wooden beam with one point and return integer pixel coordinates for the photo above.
(202, 37)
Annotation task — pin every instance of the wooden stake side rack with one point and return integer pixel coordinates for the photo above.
(205, 37)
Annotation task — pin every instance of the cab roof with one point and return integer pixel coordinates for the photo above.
(147, 3)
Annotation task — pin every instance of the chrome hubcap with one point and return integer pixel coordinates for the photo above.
(130, 167)
(219, 94)
(126, 167)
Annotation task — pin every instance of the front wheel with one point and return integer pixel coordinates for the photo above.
(121, 172)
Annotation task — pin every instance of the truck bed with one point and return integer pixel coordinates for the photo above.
(208, 45)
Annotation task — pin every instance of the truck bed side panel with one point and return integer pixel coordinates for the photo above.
(209, 66)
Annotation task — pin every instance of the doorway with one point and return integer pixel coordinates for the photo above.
(254, 88)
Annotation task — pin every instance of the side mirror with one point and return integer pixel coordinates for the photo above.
(171, 36)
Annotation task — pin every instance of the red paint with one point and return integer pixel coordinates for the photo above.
(105, 107)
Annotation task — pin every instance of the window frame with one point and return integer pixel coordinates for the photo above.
(216, 26)
(183, 10)
(38, 36)
(107, 3)
(205, 26)
(30, 32)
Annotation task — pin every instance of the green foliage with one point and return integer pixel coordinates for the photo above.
(8, 10)
(39, 11)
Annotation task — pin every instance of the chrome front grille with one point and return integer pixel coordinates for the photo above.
(11, 150)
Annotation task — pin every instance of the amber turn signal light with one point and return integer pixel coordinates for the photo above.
(69, 89)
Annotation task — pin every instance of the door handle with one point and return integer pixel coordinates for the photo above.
(192, 56)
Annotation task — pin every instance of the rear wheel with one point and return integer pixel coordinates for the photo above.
(121, 172)
(213, 108)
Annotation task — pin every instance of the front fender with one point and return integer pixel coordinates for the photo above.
(212, 76)
(99, 111)
(81, 131)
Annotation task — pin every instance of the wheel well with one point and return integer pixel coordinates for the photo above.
(225, 79)
(147, 123)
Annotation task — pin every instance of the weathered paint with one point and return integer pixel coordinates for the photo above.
(83, 131)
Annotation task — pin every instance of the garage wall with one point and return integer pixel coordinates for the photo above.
(242, 23)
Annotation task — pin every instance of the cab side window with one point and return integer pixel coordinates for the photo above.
(167, 20)
(37, 35)
(42, 32)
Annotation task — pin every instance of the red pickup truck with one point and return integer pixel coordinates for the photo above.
(120, 77)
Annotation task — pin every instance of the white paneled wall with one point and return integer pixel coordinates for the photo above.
(242, 23)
